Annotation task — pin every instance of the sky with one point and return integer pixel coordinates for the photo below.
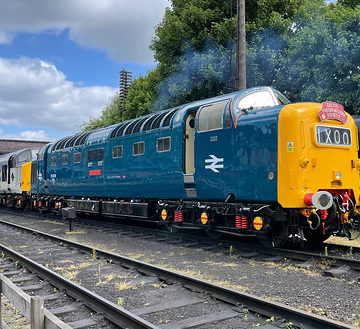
(60, 60)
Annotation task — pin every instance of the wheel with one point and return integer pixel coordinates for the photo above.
(276, 235)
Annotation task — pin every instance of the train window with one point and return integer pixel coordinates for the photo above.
(56, 145)
(148, 123)
(24, 157)
(136, 128)
(157, 121)
(130, 127)
(115, 131)
(117, 151)
(282, 100)
(71, 141)
(211, 116)
(62, 143)
(77, 157)
(168, 118)
(64, 160)
(81, 139)
(121, 130)
(53, 161)
(138, 148)
(256, 100)
(96, 155)
(4, 173)
(163, 144)
(12, 162)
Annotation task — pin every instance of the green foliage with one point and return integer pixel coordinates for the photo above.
(321, 57)
(110, 115)
(142, 94)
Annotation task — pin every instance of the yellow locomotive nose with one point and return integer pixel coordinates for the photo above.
(316, 155)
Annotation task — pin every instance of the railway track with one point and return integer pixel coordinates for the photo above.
(218, 307)
(340, 259)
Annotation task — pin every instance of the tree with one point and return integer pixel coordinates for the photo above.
(321, 60)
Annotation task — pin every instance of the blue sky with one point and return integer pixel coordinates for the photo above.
(60, 61)
(84, 66)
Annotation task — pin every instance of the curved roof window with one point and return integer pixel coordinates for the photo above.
(137, 127)
(168, 117)
(62, 143)
(130, 127)
(54, 146)
(157, 121)
(71, 141)
(81, 139)
(115, 130)
(147, 125)
(121, 130)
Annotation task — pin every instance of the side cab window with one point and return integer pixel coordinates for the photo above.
(210, 116)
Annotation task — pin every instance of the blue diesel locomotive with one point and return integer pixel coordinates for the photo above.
(246, 163)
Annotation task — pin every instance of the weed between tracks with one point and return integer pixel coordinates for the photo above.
(12, 316)
(75, 232)
(285, 268)
(49, 222)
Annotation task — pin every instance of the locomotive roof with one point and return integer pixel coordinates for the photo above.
(7, 156)
(155, 120)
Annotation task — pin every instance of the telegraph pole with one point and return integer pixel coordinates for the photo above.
(241, 46)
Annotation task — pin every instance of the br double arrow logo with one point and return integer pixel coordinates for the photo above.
(215, 163)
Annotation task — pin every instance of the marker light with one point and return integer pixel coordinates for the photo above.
(338, 175)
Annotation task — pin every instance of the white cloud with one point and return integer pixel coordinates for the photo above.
(121, 27)
(34, 135)
(33, 93)
(39, 135)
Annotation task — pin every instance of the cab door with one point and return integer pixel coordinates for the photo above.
(189, 156)
(213, 151)
(189, 163)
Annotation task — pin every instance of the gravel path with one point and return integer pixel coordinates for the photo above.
(275, 279)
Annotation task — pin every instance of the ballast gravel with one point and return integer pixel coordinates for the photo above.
(303, 287)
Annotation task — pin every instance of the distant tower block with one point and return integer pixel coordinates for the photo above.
(125, 80)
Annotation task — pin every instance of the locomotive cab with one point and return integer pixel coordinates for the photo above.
(319, 167)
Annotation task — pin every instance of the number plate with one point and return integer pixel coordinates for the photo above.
(333, 136)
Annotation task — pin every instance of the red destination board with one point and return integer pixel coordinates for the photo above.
(332, 111)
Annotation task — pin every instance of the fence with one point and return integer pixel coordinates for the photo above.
(32, 307)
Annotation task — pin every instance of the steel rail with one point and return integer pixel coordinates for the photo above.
(109, 310)
(257, 304)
